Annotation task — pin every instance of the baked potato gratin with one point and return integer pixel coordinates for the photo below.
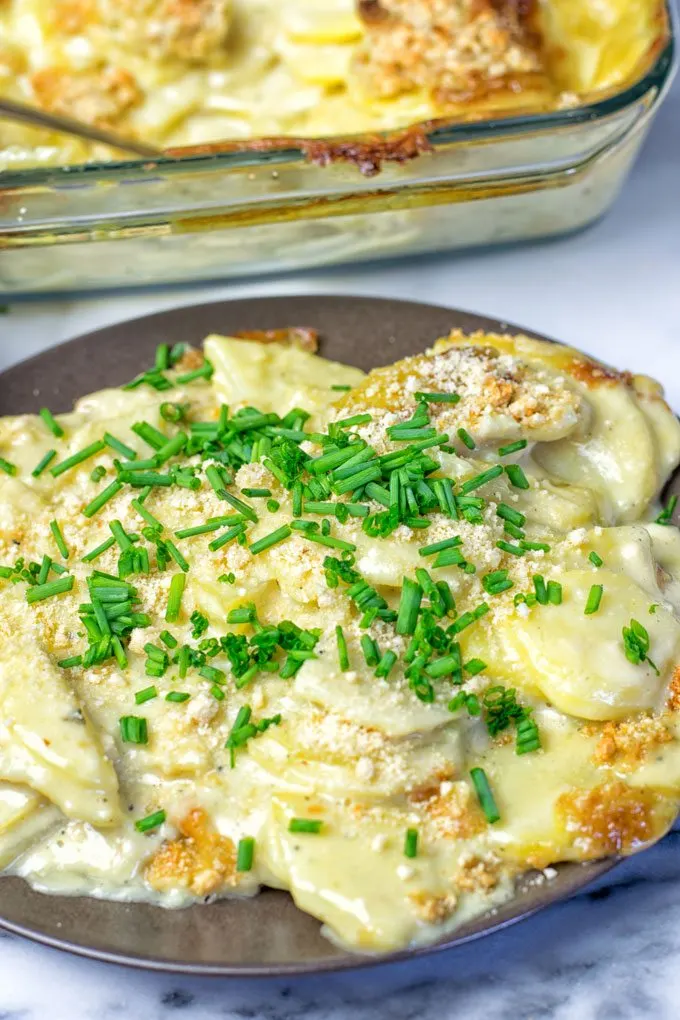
(387, 641)
(187, 72)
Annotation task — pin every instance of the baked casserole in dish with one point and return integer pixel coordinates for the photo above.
(443, 102)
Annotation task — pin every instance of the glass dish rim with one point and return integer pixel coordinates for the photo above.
(435, 134)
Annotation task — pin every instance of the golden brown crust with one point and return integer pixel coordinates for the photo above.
(191, 31)
(200, 860)
(593, 374)
(609, 819)
(477, 874)
(100, 97)
(304, 337)
(433, 909)
(453, 813)
(628, 742)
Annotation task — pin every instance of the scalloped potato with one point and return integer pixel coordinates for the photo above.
(387, 641)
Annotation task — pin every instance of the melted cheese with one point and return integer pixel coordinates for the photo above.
(362, 755)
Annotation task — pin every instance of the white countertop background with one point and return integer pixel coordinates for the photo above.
(613, 290)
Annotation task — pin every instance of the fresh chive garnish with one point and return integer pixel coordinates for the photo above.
(152, 436)
(554, 593)
(51, 423)
(98, 473)
(95, 553)
(435, 547)
(104, 496)
(330, 542)
(272, 539)
(245, 854)
(120, 535)
(199, 529)
(636, 644)
(175, 598)
(409, 606)
(438, 398)
(496, 582)
(142, 479)
(481, 479)
(146, 515)
(411, 843)
(7, 467)
(511, 529)
(507, 513)
(534, 546)
(596, 560)
(176, 555)
(150, 822)
(73, 660)
(133, 729)
(343, 655)
(466, 438)
(178, 697)
(43, 462)
(168, 639)
(541, 589)
(227, 536)
(384, 667)
(594, 599)
(242, 614)
(443, 666)
(146, 695)
(122, 448)
(528, 738)
(516, 476)
(341, 388)
(370, 649)
(239, 505)
(256, 493)
(59, 539)
(666, 515)
(485, 795)
(44, 570)
(474, 666)
(39, 592)
(508, 547)
(520, 444)
(309, 825)
(205, 371)
(89, 451)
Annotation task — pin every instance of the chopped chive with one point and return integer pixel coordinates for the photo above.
(438, 398)
(205, 371)
(554, 593)
(119, 447)
(528, 737)
(239, 505)
(51, 423)
(172, 412)
(120, 535)
(384, 667)
(273, 505)
(73, 660)
(146, 515)
(146, 695)
(42, 464)
(176, 555)
(443, 490)
(474, 667)
(466, 438)
(104, 496)
(59, 539)
(330, 542)
(596, 560)
(534, 546)
(594, 599)
(309, 825)
(142, 479)
(520, 444)
(343, 656)
(245, 853)
(356, 419)
(541, 589)
(507, 513)
(507, 547)
(175, 598)
(150, 822)
(227, 536)
(255, 493)
(409, 606)
(481, 479)
(9, 469)
(153, 437)
(133, 729)
(89, 451)
(217, 693)
(370, 649)
(211, 673)
(450, 558)
(269, 540)
(242, 614)
(443, 666)
(94, 553)
(171, 448)
(411, 843)
(98, 473)
(358, 479)
(402, 434)
(44, 570)
(485, 795)
(446, 543)
(516, 476)
(168, 639)
(178, 697)
(666, 515)
(341, 388)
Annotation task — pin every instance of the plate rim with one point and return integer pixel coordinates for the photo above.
(349, 961)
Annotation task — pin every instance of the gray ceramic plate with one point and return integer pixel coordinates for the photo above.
(268, 935)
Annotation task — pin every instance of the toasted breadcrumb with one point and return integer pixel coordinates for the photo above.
(433, 909)
(192, 31)
(628, 742)
(609, 819)
(200, 860)
(477, 874)
(101, 97)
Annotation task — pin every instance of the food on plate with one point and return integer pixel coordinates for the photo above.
(389, 641)
(188, 72)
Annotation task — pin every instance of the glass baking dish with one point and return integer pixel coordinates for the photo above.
(227, 211)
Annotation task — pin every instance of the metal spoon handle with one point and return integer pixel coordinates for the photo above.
(32, 115)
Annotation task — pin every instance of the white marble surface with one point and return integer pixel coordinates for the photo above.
(613, 955)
